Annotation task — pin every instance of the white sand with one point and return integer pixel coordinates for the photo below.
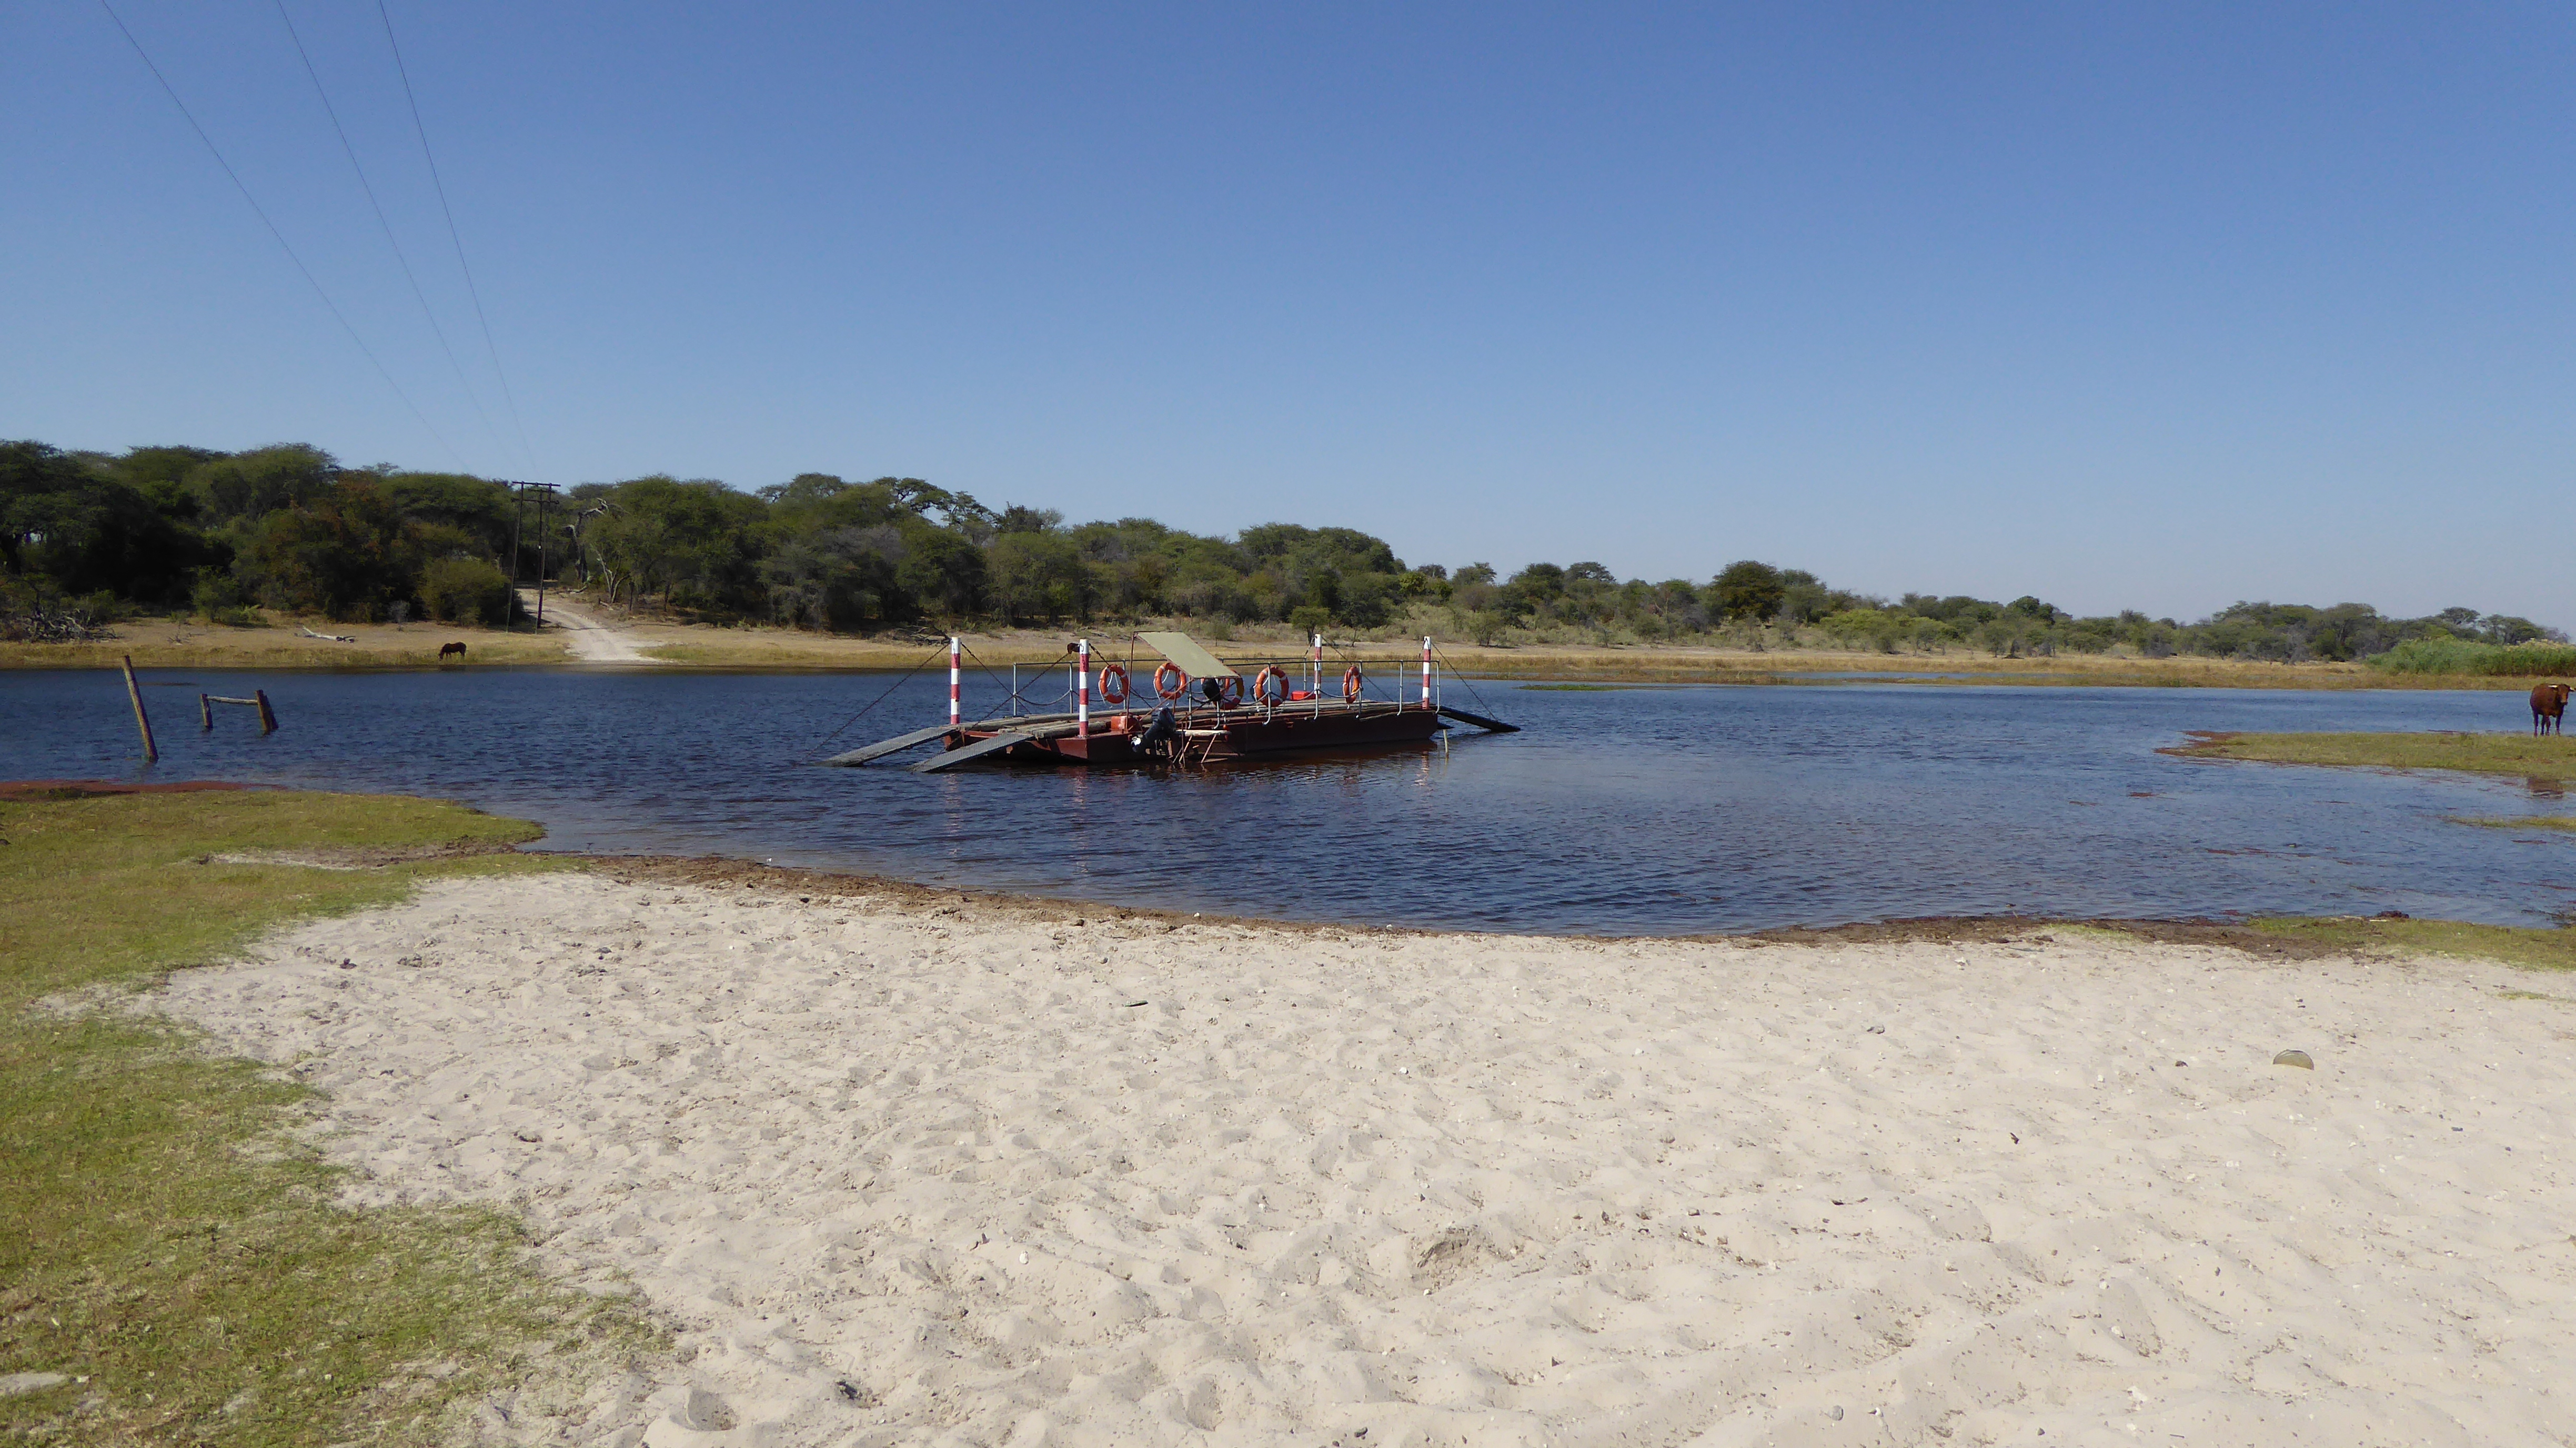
(1459, 1189)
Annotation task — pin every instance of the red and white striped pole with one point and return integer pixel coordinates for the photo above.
(1082, 691)
(954, 717)
(1426, 671)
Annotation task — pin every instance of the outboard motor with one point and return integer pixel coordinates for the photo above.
(1158, 735)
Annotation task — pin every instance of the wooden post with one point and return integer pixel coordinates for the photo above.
(142, 721)
(267, 715)
(206, 712)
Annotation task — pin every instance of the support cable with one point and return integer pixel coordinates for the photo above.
(881, 698)
(1489, 709)
(996, 677)
(387, 226)
(508, 398)
(283, 245)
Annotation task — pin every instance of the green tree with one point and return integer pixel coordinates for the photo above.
(942, 572)
(690, 543)
(1747, 590)
(88, 532)
(465, 590)
(248, 486)
(840, 580)
(342, 554)
(479, 510)
(1037, 576)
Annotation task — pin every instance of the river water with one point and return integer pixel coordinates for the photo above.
(1626, 811)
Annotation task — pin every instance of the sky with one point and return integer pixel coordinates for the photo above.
(2128, 306)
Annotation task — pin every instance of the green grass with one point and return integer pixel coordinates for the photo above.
(2531, 949)
(162, 1238)
(2532, 756)
(1572, 688)
(2464, 656)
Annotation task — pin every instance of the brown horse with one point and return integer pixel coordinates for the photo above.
(2548, 707)
(459, 651)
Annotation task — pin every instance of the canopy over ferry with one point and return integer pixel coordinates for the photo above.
(1193, 708)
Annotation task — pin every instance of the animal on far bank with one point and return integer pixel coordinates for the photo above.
(444, 650)
(2548, 707)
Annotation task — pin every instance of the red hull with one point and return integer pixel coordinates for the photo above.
(1210, 734)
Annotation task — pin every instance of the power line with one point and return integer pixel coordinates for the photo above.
(257, 210)
(351, 152)
(456, 240)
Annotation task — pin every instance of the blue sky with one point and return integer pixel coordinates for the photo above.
(2153, 306)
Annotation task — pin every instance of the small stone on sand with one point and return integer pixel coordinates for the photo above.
(2294, 1058)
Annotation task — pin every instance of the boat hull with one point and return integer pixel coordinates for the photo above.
(1210, 736)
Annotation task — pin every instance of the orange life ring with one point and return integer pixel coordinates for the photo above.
(1113, 683)
(1351, 681)
(1180, 681)
(1271, 687)
(1229, 691)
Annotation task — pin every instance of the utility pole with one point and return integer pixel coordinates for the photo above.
(544, 492)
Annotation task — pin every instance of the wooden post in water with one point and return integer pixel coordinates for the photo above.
(206, 712)
(142, 721)
(267, 715)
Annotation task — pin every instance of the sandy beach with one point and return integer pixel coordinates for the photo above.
(904, 1169)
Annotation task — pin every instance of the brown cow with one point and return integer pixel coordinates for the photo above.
(459, 650)
(2548, 707)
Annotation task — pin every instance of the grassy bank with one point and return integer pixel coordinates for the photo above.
(165, 1246)
(2514, 945)
(283, 644)
(2530, 756)
(179, 644)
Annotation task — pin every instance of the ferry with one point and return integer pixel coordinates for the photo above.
(1193, 708)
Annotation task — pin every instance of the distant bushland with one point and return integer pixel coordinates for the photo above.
(2468, 656)
(87, 539)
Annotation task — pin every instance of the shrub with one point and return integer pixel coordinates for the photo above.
(2466, 656)
(465, 590)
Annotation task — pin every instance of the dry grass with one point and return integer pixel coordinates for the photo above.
(175, 644)
(187, 644)
(165, 1245)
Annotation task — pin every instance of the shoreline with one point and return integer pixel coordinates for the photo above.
(814, 1158)
(2245, 935)
(659, 646)
(897, 1160)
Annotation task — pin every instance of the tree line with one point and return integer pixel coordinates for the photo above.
(88, 537)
